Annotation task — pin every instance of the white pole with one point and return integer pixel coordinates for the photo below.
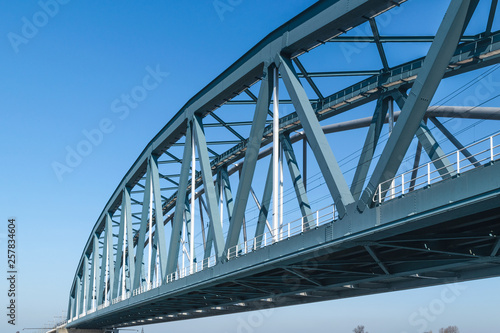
(94, 296)
(150, 247)
(157, 268)
(221, 201)
(183, 245)
(193, 197)
(276, 153)
(85, 292)
(391, 126)
(491, 149)
(281, 194)
(106, 276)
(124, 248)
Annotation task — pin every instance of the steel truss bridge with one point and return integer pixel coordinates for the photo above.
(207, 222)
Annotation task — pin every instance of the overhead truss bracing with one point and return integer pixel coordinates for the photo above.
(204, 192)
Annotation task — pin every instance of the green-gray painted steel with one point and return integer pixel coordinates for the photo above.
(455, 141)
(175, 236)
(251, 156)
(430, 144)
(264, 205)
(139, 254)
(158, 214)
(317, 140)
(434, 67)
(369, 147)
(85, 283)
(298, 184)
(208, 184)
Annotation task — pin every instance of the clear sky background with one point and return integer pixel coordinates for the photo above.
(62, 79)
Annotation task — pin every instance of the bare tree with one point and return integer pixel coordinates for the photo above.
(449, 329)
(359, 329)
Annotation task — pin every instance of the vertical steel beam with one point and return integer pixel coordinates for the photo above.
(210, 232)
(160, 228)
(304, 161)
(210, 236)
(264, 207)
(85, 282)
(94, 268)
(189, 231)
(130, 237)
(119, 250)
(108, 243)
(244, 218)
(316, 137)
(70, 308)
(102, 273)
(251, 156)
(79, 295)
(276, 152)
(298, 184)
(177, 222)
(190, 226)
(369, 147)
(152, 259)
(202, 226)
(208, 184)
(139, 252)
(110, 251)
(423, 90)
(227, 191)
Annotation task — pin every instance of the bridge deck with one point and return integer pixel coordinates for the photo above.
(423, 238)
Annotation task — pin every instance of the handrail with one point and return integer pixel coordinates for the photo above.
(401, 184)
(298, 226)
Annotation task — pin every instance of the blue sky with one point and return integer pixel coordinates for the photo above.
(64, 80)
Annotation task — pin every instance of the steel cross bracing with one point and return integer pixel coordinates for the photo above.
(181, 235)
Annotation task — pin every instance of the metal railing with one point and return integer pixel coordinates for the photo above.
(427, 174)
(390, 189)
(322, 216)
(303, 224)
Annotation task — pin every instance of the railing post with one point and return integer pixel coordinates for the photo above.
(333, 210)
(402, 184)
(428, 173)
(302, 224)
(288, 230)
(491, 148)
(265, 238)
(458, 161)
(317, 218)
(379, 193)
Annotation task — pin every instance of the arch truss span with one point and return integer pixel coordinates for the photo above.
(298, 146)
